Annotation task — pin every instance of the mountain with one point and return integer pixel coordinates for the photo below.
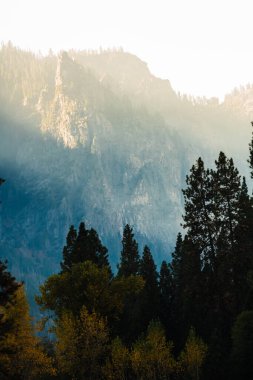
(94, 136)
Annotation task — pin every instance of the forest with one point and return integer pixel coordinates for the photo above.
(192, 318)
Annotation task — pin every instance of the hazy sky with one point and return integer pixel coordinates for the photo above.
(204, 47)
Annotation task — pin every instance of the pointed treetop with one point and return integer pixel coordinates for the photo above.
(165, 280)
(84, 246)
(129, 260)
(148, 267)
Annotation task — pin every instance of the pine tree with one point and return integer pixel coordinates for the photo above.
(250, 161)
(228, 194)
(177, 259)
(68, 250)
(167, 294)
(98, 252)
(227, 188)
(150, 294)
(243, 259)
(8, 289)
(192, 285)
(200, 210)
(129, 260)
(148, 271)
(130, 324)
(242, 347)
(80, 253)
(176, 315)
(187, 286)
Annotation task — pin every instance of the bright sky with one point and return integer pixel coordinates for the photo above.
(204, 47)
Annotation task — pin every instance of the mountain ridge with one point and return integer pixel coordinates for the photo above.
(77, 147)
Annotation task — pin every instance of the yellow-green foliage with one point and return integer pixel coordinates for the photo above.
(152, 356)
(193, 356)
(21, 356)
(90, 286)
(82, 344)
(119, 364)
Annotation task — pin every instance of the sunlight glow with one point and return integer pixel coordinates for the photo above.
(203, 47)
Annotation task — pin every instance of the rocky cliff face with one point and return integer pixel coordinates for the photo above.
(96, 137)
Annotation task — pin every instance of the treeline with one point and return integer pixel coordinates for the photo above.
(190, 319)
(105, 326)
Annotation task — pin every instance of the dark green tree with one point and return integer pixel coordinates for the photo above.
(84, 246)
(216, 205)
(250, 160)
(68, 250)
(242, 347)
(176, 262)
(130, 324)
(243, 257)
(81, 253)
(227, 190)
(199, 217)
(8, 289)
(229, 198)
(218, 249)
(167, 294)
(150, 294)
(129, 259)
(187, 302)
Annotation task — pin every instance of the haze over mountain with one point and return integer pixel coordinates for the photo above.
(94, 136)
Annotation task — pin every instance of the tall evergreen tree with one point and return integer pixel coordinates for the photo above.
(130, 324)
(227, 189)
(129, 260)
(242, 347)
(243, 259)
(81, 253)
(177, 259)
(150, 294)
(187, 287)
(148, 270)
(68, 250)
(167, 294)
(200, 210)
(97, 252)
(250, 160)
(228, 194)
(8, 289)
